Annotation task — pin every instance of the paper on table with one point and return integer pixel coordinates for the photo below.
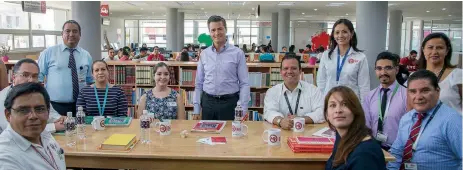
(325, 132)
(213, 140)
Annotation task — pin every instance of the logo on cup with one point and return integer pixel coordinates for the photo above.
(163, 128)
(298, 125)
(235, 129)
(102, 123)
(273, 138)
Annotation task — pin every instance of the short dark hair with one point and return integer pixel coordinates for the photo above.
(186, 48)
(26, 88)
(216, 18)
(100, 61)
(143, 49)
(413, 52)
(308, 46)
(283, 47)
(155, 47)
(158, 65)
(22, 61)
(424, 74)
(126, 50)
(111, 48)
(292, 48)
(73, 22)
(386, 55)
(184, 56)
(289, 57)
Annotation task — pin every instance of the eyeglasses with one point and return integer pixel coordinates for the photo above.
(24, 111)
(28, 75)
(387, 68)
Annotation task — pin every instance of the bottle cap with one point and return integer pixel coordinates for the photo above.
(69, 114)
(80, 108)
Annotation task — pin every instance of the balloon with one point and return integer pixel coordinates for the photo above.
(205, 39)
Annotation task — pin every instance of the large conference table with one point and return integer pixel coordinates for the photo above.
(174, 152)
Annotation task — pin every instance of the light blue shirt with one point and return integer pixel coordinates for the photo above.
(53, 64)
(223, 72)
(438, 148)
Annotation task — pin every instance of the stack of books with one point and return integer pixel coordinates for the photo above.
(119, 142)
(311, 144)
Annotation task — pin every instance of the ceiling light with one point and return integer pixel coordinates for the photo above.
(236, 3)
(315, 9)
(185, 3)
(427, 11)
(443, 9)
(301, 21)
(303, 13)
(391, 4)
(135, 3)
(164, 15)
(253, 9)
(286, 3)
(336, 4)
(202, 8)
(347, 14)
(450, 15)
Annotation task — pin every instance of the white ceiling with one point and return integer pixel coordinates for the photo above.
(412, 10)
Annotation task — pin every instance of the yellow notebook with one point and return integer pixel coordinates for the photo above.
(119, 141)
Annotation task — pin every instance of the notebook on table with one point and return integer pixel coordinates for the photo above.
(119, 142)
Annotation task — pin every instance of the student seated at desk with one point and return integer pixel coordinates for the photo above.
(185, 56)
(292, 98)
(265, 56)
(163, 101)
(102, 98)
(354, 148)
(125, 54)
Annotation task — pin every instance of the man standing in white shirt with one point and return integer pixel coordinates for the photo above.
(293, 98)
(24, 144)
(27, 70)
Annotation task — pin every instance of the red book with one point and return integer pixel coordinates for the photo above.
(311, 145)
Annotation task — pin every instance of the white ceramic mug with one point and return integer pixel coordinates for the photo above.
(299, 123)
(164, 127)
(239, 129)
(98, 123)
(273, 137)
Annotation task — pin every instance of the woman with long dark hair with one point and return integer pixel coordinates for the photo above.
(435, 56)
(354, 148)
(344, 64)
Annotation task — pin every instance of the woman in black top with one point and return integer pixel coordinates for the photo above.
(354, 148)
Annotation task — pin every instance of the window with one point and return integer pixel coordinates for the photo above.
(6, 40)
(50, 21)
(50, 40)
(153, 32)
(12, 16)
(21, 41)
(38, 41)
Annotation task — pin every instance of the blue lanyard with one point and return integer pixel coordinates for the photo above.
(339, 67)
(101, 110)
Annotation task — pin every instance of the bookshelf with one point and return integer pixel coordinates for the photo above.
(135, 77)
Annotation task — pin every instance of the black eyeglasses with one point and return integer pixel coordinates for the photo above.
(24, 111)
(387, 68)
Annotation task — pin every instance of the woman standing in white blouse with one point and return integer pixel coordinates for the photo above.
(343, 63)
(435, 56)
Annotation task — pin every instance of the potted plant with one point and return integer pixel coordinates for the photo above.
(3, 53)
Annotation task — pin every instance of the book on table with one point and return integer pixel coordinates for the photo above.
(209, 126)
(120, 142)
(311, 144)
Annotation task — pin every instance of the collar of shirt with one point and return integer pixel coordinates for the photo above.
(284, 89)
(335, 52)
(223, 49)
(428, 113)
(64, 47)
(22, 142)
(390, 87)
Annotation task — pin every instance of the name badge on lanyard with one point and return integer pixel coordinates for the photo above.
(340, 66)
(411, 166)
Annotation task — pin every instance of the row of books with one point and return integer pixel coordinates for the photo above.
(188, 97)
(275, 76)
(259, 79)
(124, 74)
(257, 99)
(144, 75)
(187, 77)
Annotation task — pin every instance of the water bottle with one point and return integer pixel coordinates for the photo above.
(70, 126)
(238, 112)
(145, 128)
(80, 117)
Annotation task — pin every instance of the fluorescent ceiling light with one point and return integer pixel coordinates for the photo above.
(427, 11)
(236, 3)
(136, 3)
(185, 3)
(136, 15)
(301, 21)
(443, 9)
(286, 3)
(336, 4)
(315, 9)
(391, 4)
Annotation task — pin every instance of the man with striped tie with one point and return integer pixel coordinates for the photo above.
(66, 69)
(429, 136)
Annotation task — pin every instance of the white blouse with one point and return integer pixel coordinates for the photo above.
(449, 93)
(354, 74)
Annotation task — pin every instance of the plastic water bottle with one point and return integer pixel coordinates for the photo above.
(80, 119)
(145, 128)
(70, 126)
(238, 112)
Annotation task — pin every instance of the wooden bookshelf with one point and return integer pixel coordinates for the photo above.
(176, 67)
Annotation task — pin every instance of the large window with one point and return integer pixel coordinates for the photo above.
(12, 16)
(52, 20)
(153, 32)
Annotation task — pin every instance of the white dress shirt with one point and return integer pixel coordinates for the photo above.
(17, 153)
(4, 123)
(310, 102)
(354, 74)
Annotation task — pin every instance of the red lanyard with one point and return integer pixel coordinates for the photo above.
(54, 165)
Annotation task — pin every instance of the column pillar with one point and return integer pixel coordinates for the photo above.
(274, 37)
(371, 32)
(195, 32)
(235, 34)
(180, 30)
(283, 28)
(171, 29)
(87, 14)
(395, 31)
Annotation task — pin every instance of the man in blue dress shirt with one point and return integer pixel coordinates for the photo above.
(221, 77)
(429, 136)
(66, 68)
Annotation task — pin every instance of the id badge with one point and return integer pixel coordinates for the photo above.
(172, 104)
(411, 166)
(381, 137)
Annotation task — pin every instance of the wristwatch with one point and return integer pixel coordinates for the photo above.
(279, 121)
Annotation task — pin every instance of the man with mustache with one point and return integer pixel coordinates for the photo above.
(221, 77)
(386, 104)
(429, 136)
(293, 97)
(66, 68)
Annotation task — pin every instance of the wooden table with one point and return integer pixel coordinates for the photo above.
(174, 152)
